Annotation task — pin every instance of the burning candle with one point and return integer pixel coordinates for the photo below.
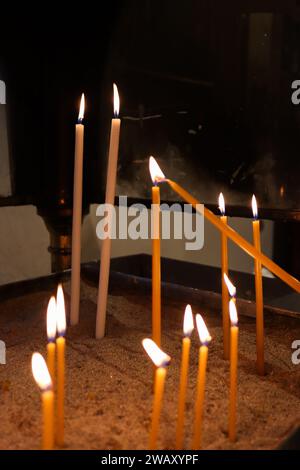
(234, 333)
(205, 339)
(235, 237)
(230, 287)
(42, 377)
(51, 333)
(156, 176)
(260, 361)
(109, 199)
(188, 326)
(77, 216)
(224, 264)
(161, 360)
(60, 345)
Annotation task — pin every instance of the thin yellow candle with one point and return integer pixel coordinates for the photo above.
(234, 236)
(260, 361)
(205, 339)
(234, 334)
(161, 360)
(109, 199)
(188, 326)
(156, 175)
(77, 216)
(224, 264)
(51, 333)
(60, 346)
(43, 380)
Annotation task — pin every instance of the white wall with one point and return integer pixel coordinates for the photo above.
(24, 241)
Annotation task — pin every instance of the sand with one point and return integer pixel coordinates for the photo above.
(109, 382)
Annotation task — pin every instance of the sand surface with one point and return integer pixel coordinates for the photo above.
(109, 382)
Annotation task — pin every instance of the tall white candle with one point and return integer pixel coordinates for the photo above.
(77, 215)
(109, 199)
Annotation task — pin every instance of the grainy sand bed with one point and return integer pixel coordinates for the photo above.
(109, 382)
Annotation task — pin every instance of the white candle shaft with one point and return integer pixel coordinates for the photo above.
(106, 244)
(76, 225)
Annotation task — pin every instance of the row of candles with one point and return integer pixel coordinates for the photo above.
(162, 360)
(50, 375)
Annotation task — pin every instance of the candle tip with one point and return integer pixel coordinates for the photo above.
(222, 204)
(51, 320)
(231, 287)
(40, 372)
(155, 171)
(116, 100)
(159, 357)
(233, 313)
(81, 109)
(203, 332)
(254, 207)
(188, 321)
(61, 311)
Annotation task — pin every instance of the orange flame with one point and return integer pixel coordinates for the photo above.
(40, 372)
(188, 321)
(81, 108)
(51, 319)
(116, 100)
(203, 332)
(160, 358)
(61, 311)
(155, 171)
(222, 204)
(254, 207)
(231, 288)
(233, 313)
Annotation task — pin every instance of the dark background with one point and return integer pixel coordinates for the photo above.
(205, 87)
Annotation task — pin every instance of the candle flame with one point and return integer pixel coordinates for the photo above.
(231, 288)
(40, 372)
(51, 319)
(233, 313)
(61, 311)
(116, 100)
(160, 358)
(81, 108)
(222, 204)
(203, 332)
(155, 171)
(254, 207)
(188, 321)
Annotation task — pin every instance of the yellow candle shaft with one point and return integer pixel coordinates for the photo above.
(236, 238)
(76, 225)
(225, 295)
(51, 360)
(60, 345)
(203, 353)
(156, 268)
(259, 303)
(48, 420)
(106, 244)
(234, 331)
(160, 376)
(186, 345)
